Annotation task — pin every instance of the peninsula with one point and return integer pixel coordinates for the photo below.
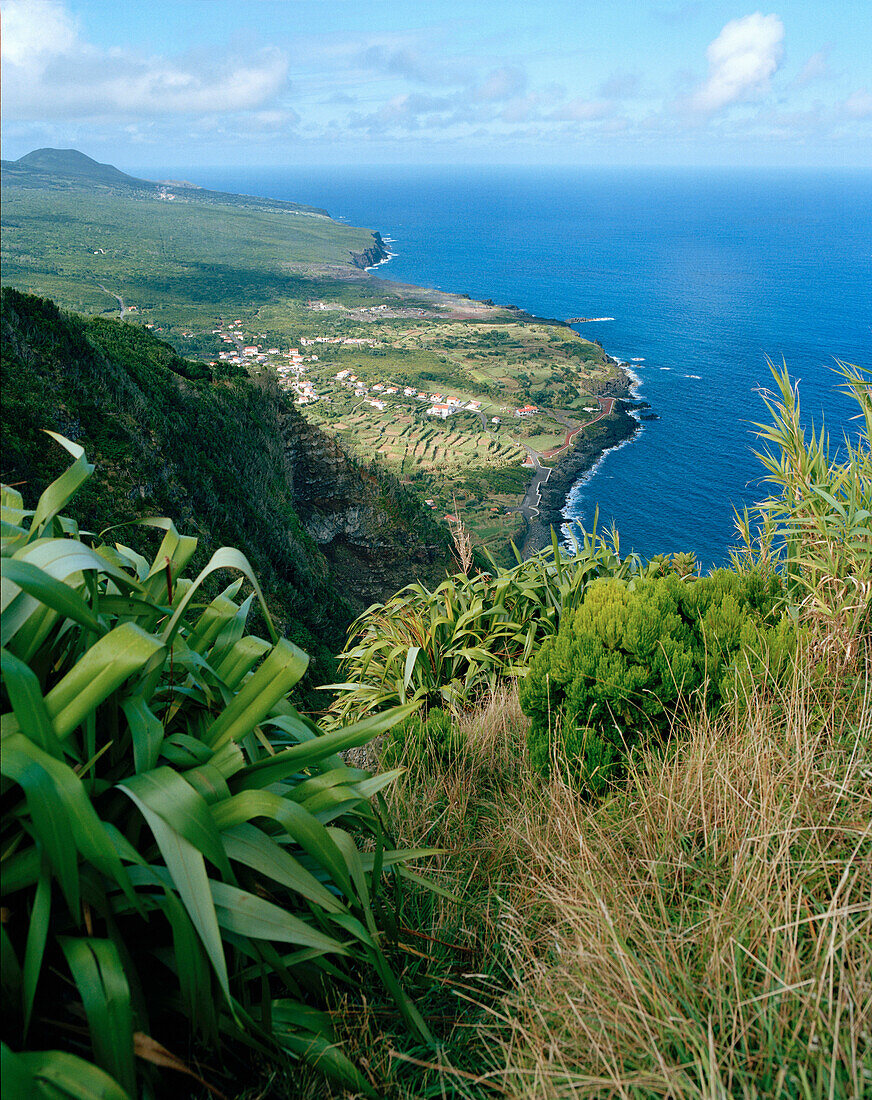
(458, 398)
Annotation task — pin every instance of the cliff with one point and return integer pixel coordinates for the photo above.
(371, 256)
(226, 456)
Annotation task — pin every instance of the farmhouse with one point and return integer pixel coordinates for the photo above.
(527, 410)
(441, 410)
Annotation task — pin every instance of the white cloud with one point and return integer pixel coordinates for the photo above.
(34, 30)
(49, 71)
(741, 61)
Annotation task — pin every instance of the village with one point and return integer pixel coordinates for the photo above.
(291, 365)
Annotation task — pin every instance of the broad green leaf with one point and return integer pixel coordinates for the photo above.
(282, 669)
(44, 589)
(146, 731)
(256, 849)
(273, 769)
(102, 669)
(300, 826)
(225, 558)
(44, 1074)
(60, 491)
(252, 916)
(28, 704)
(184, 810)
(188, 873)
(102, 985)
(37, 933)
(62, 816)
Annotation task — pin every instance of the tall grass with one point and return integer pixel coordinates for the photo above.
(705, 932)
(708, 932)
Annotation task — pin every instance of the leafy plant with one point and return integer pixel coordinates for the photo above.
(816, 528)
(449, 645)
(187, 863)
(622, 665)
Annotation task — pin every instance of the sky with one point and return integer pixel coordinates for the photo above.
(553, 82)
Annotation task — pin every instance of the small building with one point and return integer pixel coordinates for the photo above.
(342, 374)
(376, 404)
(527, 410)
(409, 392)
(441, 410)
(495, 420)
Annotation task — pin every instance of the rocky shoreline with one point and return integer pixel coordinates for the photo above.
(371, 257)
(588, 449)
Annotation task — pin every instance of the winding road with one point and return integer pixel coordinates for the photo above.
(529, 506)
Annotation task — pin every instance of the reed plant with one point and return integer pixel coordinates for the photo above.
(815, 527)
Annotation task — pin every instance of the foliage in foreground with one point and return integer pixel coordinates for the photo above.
(188, 866)
(816, 526)
(620, 668)
(704, 931)
(449, 646)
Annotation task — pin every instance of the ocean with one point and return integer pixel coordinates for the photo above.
(706, 274)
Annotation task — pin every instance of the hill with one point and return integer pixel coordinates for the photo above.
(60, 168)
(70, 162)
(225, 455)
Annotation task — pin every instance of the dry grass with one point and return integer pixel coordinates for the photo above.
(709, 931)
(705, 933)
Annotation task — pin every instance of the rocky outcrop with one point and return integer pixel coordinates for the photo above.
(371, 256)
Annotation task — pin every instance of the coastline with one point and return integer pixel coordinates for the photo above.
(586, 453)
(587, 448)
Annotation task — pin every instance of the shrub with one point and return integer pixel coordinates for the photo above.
(620, 667)
(188, 866)
(450, 645)
(432, 736)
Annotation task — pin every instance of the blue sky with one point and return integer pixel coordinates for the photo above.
(280, 82)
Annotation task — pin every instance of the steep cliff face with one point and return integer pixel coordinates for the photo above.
(371, 256)
(227, 457)
(374, 534)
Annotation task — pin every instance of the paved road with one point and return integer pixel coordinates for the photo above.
(122, 308)
(529, 506)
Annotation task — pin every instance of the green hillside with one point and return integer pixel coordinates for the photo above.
(81, 233)
(227, 457)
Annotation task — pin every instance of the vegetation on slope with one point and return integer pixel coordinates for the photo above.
(700, 926)
(187, 260)
(211, 447)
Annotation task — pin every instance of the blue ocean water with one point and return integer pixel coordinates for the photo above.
(705, 272)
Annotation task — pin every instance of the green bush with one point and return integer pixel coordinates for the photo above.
(627, 660)
(448, 646)
(188, 866)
